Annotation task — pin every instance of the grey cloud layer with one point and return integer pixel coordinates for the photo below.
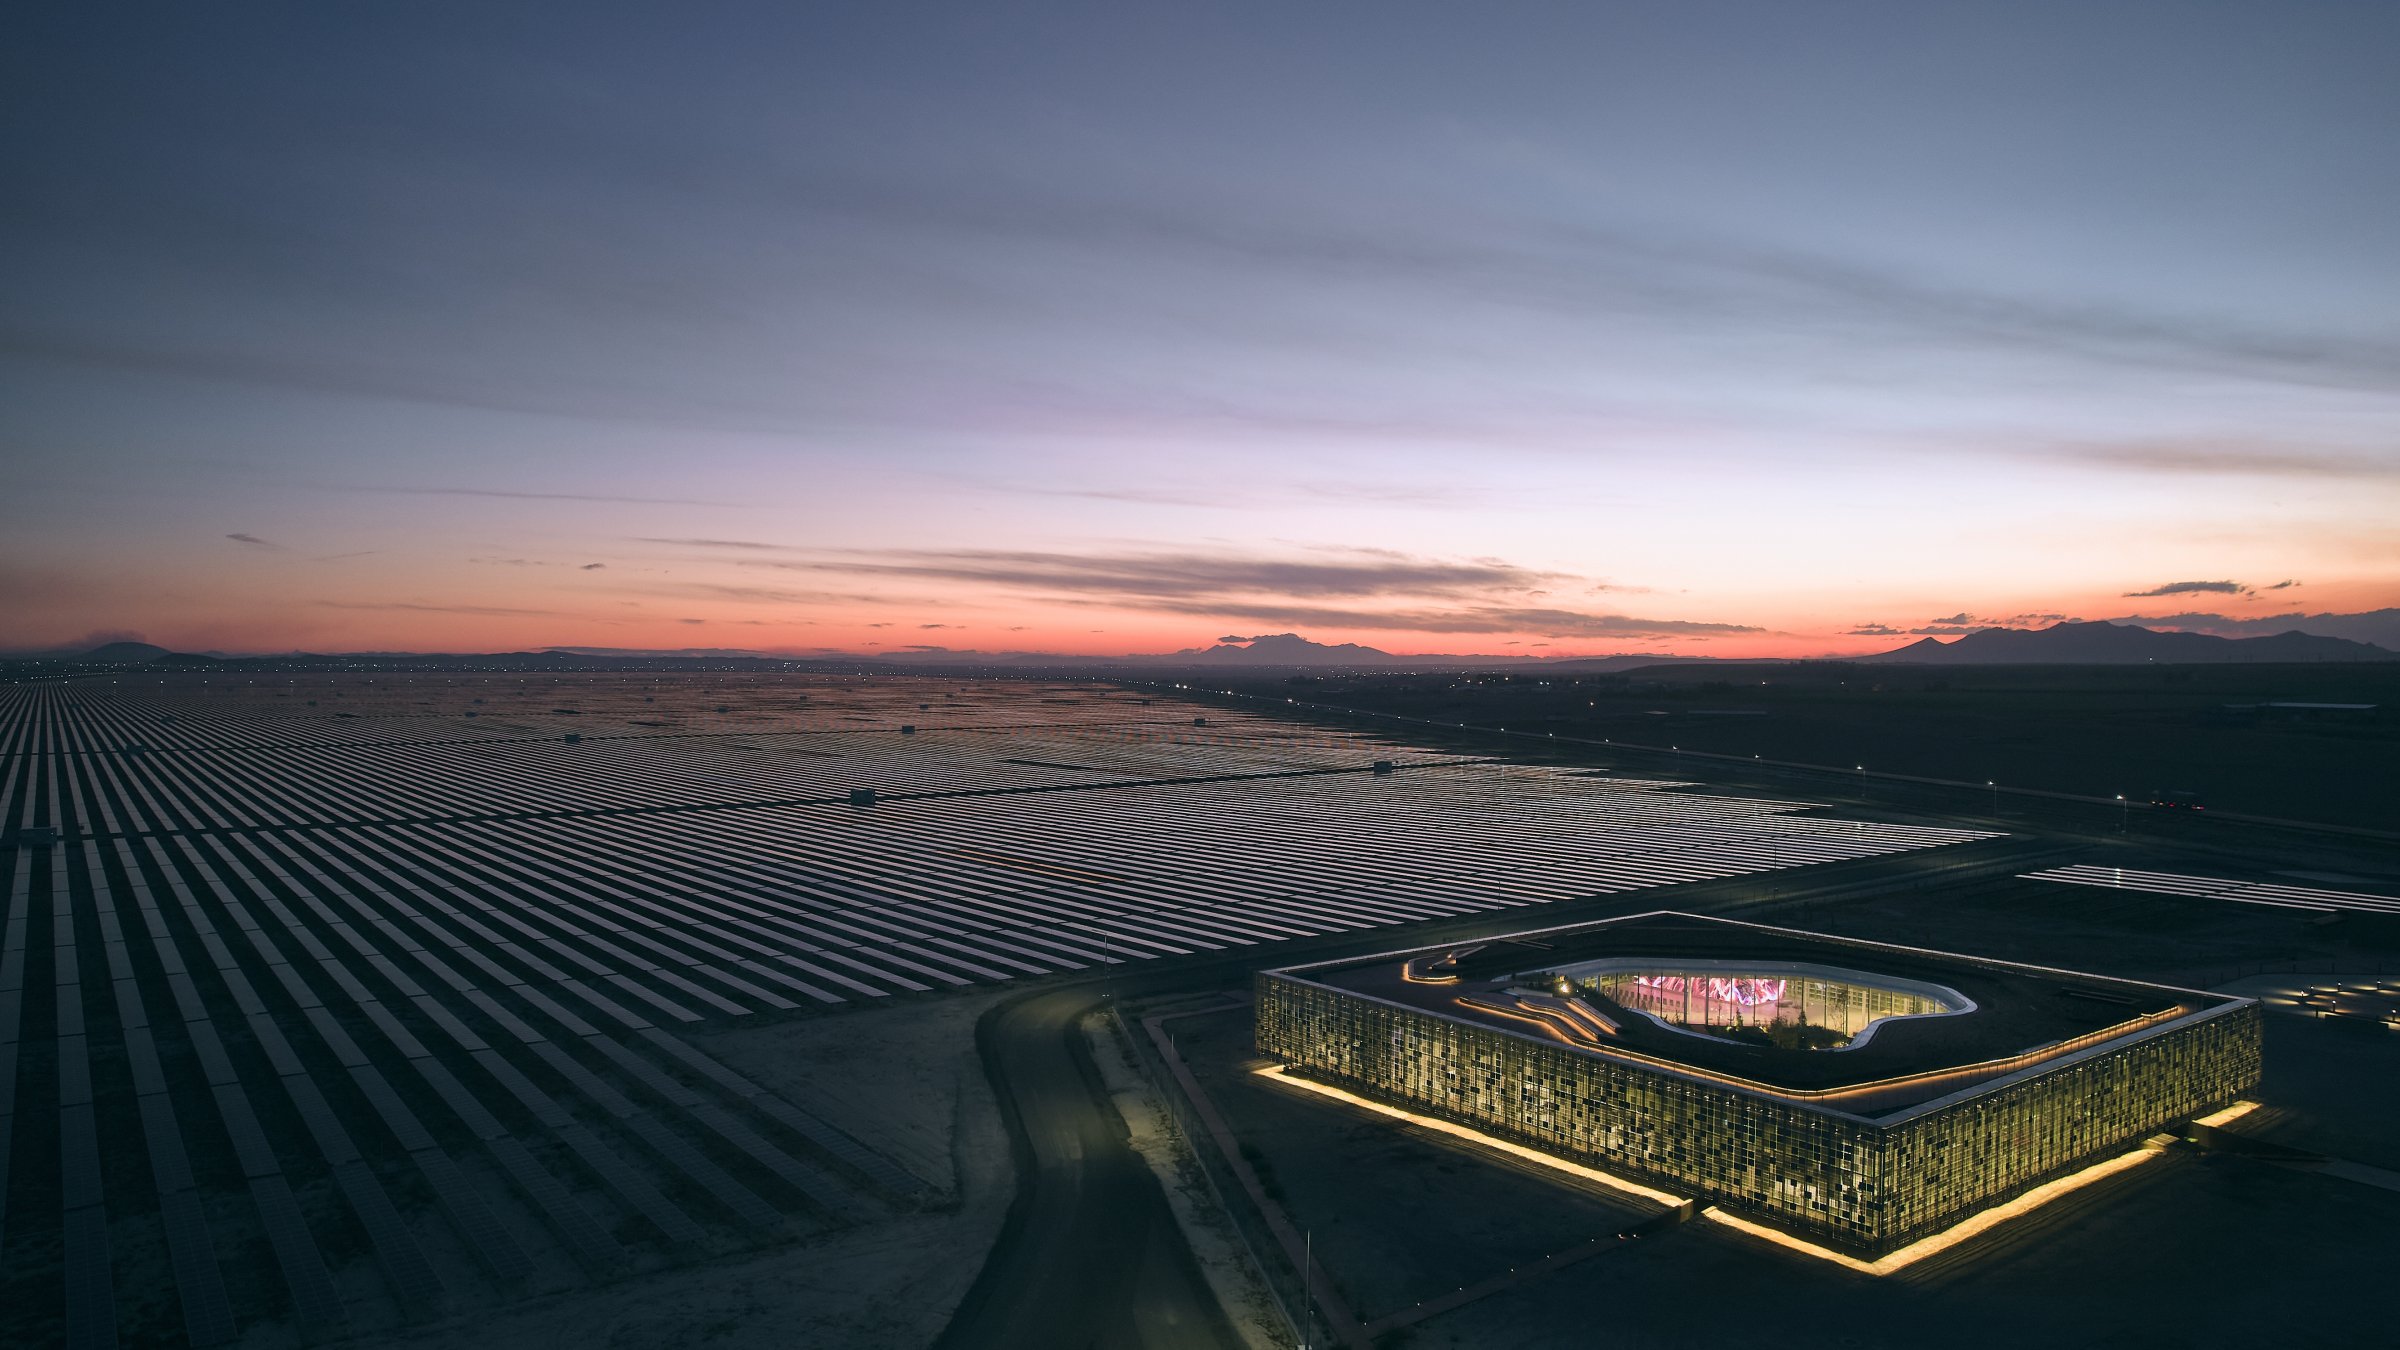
(703, 230)
(1955, 625)
(840, 245)
(413, 607)
(1467, 619)
(533, 496)
(1366, 589)
(1167, 575)
(2269, 459)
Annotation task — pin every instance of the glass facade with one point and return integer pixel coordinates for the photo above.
(1860, 1184)
(1796, 1008)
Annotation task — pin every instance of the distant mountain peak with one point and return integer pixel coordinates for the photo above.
(657, 652)
(124, 652)
(1283, 649)
(2073, 643)
(1924, 646)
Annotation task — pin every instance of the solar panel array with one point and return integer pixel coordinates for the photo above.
(2315, 899)
(350, 1002)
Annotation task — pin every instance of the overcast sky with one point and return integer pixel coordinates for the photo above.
(1549, 329)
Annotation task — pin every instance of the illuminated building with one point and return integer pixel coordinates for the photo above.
(1856, 1094)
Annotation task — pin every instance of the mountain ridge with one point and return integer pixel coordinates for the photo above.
(2103, 644)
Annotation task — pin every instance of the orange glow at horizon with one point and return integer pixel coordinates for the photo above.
(234, 609)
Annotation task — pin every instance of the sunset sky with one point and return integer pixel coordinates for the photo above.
(1124, 327)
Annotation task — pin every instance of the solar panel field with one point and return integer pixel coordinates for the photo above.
(337, 1004)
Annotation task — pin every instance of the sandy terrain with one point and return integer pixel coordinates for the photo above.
(905, 1079)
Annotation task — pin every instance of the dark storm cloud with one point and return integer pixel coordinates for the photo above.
(1873, 630)
(2193, 588)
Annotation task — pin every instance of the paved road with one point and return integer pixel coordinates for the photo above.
(1091, 1257)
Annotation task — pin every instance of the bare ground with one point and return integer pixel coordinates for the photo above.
(906, 1080)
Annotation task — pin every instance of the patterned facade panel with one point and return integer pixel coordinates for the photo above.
(1851, 1183)
(1992, 1145)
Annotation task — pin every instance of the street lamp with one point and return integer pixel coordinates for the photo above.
(2124, 812)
